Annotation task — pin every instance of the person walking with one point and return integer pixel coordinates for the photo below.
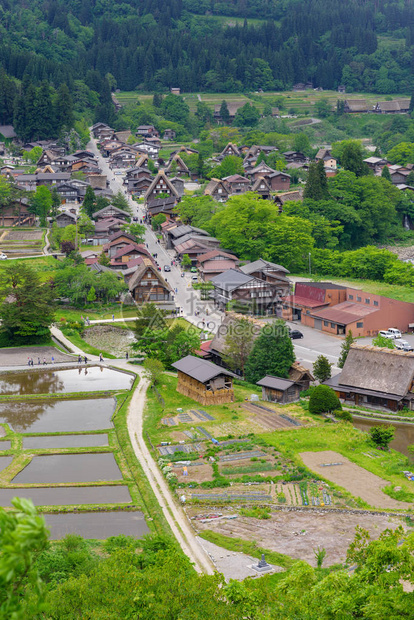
(126, 355)
(44, 362)
(85, 359)
(100, 357)
(53, 360)
(113, 317)
(79, 359)
(38, 361)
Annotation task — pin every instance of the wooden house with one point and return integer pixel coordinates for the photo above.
(65, 218)
(217, 189)
(278, 390)
(213, 263)
(148, 285)
(176, 166)
(355, 106)
(262, 187)
(203, 381)
(237, 184)
(160, 185)
(376, 377)
(230, 149)
(111, 212)
(169, 134)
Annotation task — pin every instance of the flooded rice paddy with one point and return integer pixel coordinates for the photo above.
(68, 496)
(5, 461)
(57, 468)
(5, 445)
(404, 433)
(64, 441)
(82, 379)
(60, 416)
(99, 525)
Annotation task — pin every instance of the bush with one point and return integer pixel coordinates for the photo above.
(323, 400)
(382, 436)
(342, 414)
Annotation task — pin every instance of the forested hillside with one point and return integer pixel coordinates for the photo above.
(155, 44)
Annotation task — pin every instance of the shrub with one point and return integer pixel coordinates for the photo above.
(382, 435)
(323, 400)
(343, 414)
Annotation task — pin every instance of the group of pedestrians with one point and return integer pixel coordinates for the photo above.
(84, 359)
(30, 361)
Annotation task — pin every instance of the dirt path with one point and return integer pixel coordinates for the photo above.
(173, 513)
(355, 479)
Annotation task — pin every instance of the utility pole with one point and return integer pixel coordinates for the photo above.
(310, 264)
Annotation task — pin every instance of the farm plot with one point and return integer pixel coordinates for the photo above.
(355, 479)
(17, 243)
(298, 533)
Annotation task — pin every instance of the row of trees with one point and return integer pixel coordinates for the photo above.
(130, 578)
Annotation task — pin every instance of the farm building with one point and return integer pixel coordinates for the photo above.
(278, 390)
(203, 381)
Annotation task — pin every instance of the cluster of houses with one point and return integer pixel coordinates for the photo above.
(398, 173)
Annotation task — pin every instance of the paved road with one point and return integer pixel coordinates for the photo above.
(307, 349)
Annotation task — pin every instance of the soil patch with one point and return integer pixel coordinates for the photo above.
(297, 534)
(18, 356)
(200, 472)
(355, 479)
(112, 339)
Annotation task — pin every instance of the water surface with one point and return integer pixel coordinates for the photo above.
(5, 461)
(58, 416)
(403, 437)
(69, 468)
(64, 441)
(67, 496)
(99, 525)
(82, 379)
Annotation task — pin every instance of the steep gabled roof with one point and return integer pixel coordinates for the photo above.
(109, 209)
(231, 279)
(213, 254)
(141, 270)
(161, 175)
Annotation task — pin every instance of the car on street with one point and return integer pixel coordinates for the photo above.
(167, 268)
(295, 334)
(194, 278)
(193, 269)
(403, 345)
(386, 334)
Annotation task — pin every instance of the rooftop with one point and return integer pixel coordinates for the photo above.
(199, 369)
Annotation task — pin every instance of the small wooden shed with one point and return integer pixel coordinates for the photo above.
(278, 390)
(203, 381)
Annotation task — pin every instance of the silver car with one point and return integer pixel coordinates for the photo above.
(403, 345)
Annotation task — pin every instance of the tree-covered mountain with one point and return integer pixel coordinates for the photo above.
(155, 44)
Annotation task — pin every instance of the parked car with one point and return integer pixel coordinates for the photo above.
(395, 333)
(167, 268)
(194, 278)
(193, 269)
(385, 334)
(3, 256)
(295, 334)
(403, 345)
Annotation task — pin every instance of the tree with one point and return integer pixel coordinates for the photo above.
(41, 204)
(323, 400)
(322, 368)
(272, 353)
(224, 112)
(186, 261)
(382, 436)
(120, 202)
(302, 144)
(27, 307)
(385, 173)
(197, 210)
(350, 155)
(153, 370)
(23, 535)
(231, 164)
(86, 226)
(410, 179)
(138, 230)
(316, 187)
(247, 116)
(64, 108)
(238, 344)
(67, 247)
(91, 297)
(157, 220)
(322, 108)
(89, 202)
(381, 341)
(346, 345)
(104, 259)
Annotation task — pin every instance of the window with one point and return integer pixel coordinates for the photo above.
(350, 296)
(326, 323)
(333, 325)
(360, 324)
(367, 301)
(358, 298)
(375, 303)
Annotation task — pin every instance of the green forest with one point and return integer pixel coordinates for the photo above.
(156, 44)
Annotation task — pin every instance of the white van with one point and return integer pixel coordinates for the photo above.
(394, 332)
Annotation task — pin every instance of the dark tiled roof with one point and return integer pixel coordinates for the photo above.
(200, 370)
(275, 383)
